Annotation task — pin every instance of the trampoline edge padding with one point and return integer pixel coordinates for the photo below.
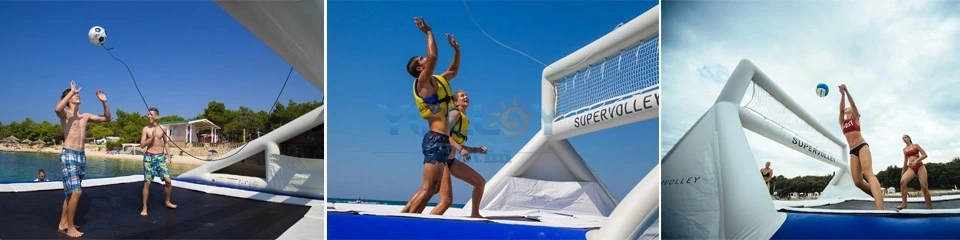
(109, 208)
(841, 226)
(349, 225)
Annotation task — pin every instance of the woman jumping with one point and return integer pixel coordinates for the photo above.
(861, 162)
(458, 123)
(913, 154)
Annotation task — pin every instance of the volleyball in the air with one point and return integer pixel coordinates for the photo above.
(822, 89)
(97, 35)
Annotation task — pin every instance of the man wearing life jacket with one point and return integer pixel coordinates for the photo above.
(459, 124)
(433, 97)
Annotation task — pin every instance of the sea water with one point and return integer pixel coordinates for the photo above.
(386, 202)
(18, 167)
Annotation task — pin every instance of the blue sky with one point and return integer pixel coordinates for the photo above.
(183, 54)
(898, 59)
(370, 42)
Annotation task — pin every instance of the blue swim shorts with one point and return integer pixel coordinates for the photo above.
(73, 165)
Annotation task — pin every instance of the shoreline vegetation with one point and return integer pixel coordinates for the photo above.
(102, 154)
(943, 179)
(237, 127)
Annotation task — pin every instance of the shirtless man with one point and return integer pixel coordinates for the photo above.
(73, 161)
(155, 154)
(434, 99)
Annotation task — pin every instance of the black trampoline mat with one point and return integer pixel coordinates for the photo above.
(113, 212)
(869, 205)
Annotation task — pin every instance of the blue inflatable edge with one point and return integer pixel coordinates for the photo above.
(864, 226)
(356, 226)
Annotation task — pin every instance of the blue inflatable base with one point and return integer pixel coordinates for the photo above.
(355, 226)
(848, 226)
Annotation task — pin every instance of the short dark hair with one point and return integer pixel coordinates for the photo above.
(65, 92)
(412, 66)
(41, 171)
(154, 110)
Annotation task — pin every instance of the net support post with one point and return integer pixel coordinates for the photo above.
(740, 187)
(623, 222)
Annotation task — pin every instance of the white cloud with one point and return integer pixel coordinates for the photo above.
(899, 61)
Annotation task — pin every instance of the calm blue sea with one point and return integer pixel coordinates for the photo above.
(387, 202)
(23, 167)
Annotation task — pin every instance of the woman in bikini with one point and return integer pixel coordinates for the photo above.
(458, 123)
(913, 154)
(861, 161)
(767, 173)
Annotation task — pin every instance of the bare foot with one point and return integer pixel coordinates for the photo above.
(901, 207)
(171, 205)
(63, 227)
(476, 216)
(144, 212)
(74, 233)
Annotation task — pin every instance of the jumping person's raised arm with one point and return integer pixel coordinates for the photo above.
(455, 64)
(853, 105)
(66, 98)
(430, 64)
(106, 109)
(843, 105)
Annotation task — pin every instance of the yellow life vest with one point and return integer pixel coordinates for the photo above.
(439, 102)
(459, 131)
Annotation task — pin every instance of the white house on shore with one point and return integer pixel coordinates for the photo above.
(104, 140)
(187, 131)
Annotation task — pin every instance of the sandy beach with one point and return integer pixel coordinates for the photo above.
(92, 153)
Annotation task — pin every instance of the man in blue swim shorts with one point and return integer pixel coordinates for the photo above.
(432, 94)
(156, 152)
(73, 161)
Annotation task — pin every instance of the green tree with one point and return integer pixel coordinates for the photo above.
(170, 118)
(284, 114)
(940, 176)
(217, 113)
(46, 131)
(99, 131)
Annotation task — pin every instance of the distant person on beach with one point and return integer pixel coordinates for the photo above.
(41, 176)
(458, 123)
(156, 152)
(913, 155)
(767, 174)
(432, 94)
(73, 161)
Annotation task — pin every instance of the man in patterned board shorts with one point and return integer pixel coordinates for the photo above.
(155, 154)
(73, 161)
